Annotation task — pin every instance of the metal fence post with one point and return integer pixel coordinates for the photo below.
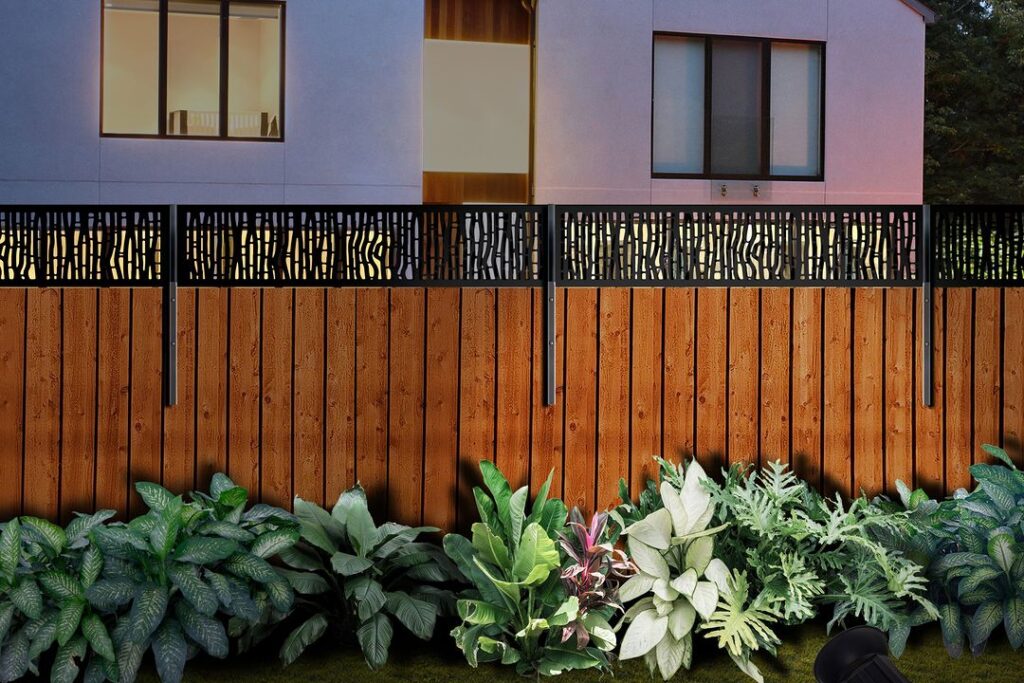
(927, 314)
(550, 280)
(170, 308)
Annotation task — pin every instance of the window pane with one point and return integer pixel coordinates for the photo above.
(678, 105)
(796, 109)
(131, 66)
(736, 107)
(193, 67)
(254, 70)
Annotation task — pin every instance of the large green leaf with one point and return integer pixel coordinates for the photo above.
(478, 612)
(170, 652)
(655, 530)
(79, 527)
(206, 631)
(147, 612)
(109, 594)
(65, 662)
(298, 558)
(281, 595)
(985, 620)
(302, 637)
(27, 597)
(201, 596)
(349, 565)
(204, 550)
(393, 538)
(490, 547)
(1013, 620)
(517, 514)
(10, 549)
(249, 566)
(6, 617)
(42, 634)
(557, 660)
(368, 594)
(540, 501)
(1000, 454)
(460, 551)
(644, 633)
(92, 565)
(273, 542)
(61, 586)
(416, 615)
(317, 527)
(220, 483)
(535, 557)
(1001, 549)
(46, 532)
(14, 660)
(375, 639)
(68, 619)
(500, 490)
(349, 499)
(95, 632)
(952, 628)
(155, 497)
(226, 529)
(306, 583)
(362, 533)
(650, 560)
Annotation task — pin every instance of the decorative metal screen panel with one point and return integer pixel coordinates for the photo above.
(81, 245)
(338, 245)
(978, 245)
(720, 246)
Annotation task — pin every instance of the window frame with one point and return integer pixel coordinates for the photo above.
(765, 173)
(162, 134)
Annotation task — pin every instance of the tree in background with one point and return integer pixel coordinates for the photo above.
(974, 111)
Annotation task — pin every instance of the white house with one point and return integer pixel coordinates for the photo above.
(403, 101)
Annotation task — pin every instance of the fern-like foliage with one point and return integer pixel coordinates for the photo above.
(741, 625)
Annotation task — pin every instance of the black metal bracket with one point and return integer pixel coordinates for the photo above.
(550, 279)
(170, 309)
(927, 312)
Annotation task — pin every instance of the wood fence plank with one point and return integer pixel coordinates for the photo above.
(308, 394)
(276, 398)
(930, 425)
(987, 361)
(441, 414)
(211, 385)
(476, 395)
(179, 457)
(807, 384)
(581, 398)
(680, 372)
(744, 342)
(372, 395)
(775, 375)
(712, 366)
(899, 388)
(42, 403)
(78, 412)
(868, 396)
(12, 405)
(613, 394)
(243, 463)
(648, 308)
(405, 433)
(145, 463)
(339, 468)
(960, 445)
(1013, 375)
(547, 444)
(837, 451)
(112, 437)
(515, 321)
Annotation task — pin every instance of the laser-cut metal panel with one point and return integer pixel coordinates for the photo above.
(978, 245)
(719, 246)
(94, 246)
(359, 245)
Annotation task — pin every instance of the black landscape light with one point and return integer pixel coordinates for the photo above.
(858, 655)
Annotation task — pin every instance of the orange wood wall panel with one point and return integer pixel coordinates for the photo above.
(745, 401)
(613, 393)
(211, 382)
(960, 446)
(900, 326)
(514, 382)
(837, 444)
(930, 436)
(807, 383)
(145, 455)
(244, 363)
(1013, 375)
(112, 437)
(679, 373)
(340, 397)
(276, 397)
(868, 382)
(12, 405)
(308, 396)
(775, 375)
(405, 435)
(988, 381)
(646, 368)
(78, 403)
(441, 412)
(547, 444)
(712, 361)
(179, 447)
(371, 445)
(580, 371)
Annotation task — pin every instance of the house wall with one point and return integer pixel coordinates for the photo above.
(593, 90)
(352, 129)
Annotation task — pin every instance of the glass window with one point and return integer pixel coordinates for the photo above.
(678, 105)
(796, 109)
(736, 107)
(131, 66)
(254, 70)
(193, 67)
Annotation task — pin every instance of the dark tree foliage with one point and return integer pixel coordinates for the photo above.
(974, 128)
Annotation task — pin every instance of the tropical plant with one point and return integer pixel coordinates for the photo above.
(678, 579)
(44, 573)
(595, 571)
(354, 577)
(185, 568)
(975, 545)
(517, 608)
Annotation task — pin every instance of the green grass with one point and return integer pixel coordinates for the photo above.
(925, 661)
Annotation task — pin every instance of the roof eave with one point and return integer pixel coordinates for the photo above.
(926, 12)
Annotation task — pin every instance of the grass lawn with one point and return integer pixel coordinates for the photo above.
(925, 661)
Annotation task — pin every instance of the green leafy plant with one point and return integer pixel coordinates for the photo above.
(355, 577)
(518, 608)
(974, 544)
(679, 579)
(182, 569)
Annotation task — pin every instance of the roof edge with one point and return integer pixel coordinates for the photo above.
(924, 10)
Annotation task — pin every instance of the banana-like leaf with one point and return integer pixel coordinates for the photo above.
(416, 615)
(170, 652)
(374, 638)
(302, 637)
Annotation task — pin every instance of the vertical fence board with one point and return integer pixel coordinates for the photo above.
(648, 306)
(78, 412)
(680, 373)
(580, 398)
(211, 385)
(340, 456)
(613, 393)
(441, 414)
(987, 380)
(744, 376)
(372, 395)
(837, 405)
(930, 424)
(42, 403)
(868, 397)
(476, 391)
(515, 331)
(899, 388)
(807, 383)
(112, 437)
(959, 440)
(145, 463)
(712, 361)
(12, 422)
(1013, 375)
(179, 419)
(546, 447)
(276, 398)
(775, 375)
(308, 396)
(405, 434)
(244, 389)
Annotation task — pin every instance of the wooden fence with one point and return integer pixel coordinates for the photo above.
(305, 391)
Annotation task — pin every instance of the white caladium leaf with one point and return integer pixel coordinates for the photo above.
(674, 505)
(686, 583)
(718, 574)
(681, 620)
(636, 586)
(648, 559)
(705, 598)
(663, 590)
(655, 529)
(696, 499)
(670, 657)
(663, 607)
(699, 553)
(643, 635)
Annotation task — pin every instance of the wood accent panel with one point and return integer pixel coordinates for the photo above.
(580, 369)
(806, 377)
(745, 400)
(776, 358)
(899, 387)
(489, 21)
(112, 410)
(405, 435)
(613, 412)
(459, 188)
(12, 404)
(837, 445)
(868, 384)
(515, 330)
(308, 395)
(712, 356)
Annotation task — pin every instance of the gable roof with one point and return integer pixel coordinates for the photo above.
(924, 10)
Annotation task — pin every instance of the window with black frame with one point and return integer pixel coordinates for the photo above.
(193, 68)
(737, 108)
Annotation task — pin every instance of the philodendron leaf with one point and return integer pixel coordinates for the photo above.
(170, 652)
(81, 525)
(306, 583)
(535, 557)
(636, 587)
(61, 586)
(196, 591)
(68, 619)
(705, 598)
(349, 565)
(416, 615)
(999, 454)
(92, 566)
(362, 532)
(109, 594)
(302, 637)
(644, 633)
(517, 514)
(14, 660)
(670, 654)
(500, 490)
(248, 566)
(699, 553)
(317, 527)
(952, 628)
(985, 620)
(681, 619)
(375, 639)
(219, 484)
